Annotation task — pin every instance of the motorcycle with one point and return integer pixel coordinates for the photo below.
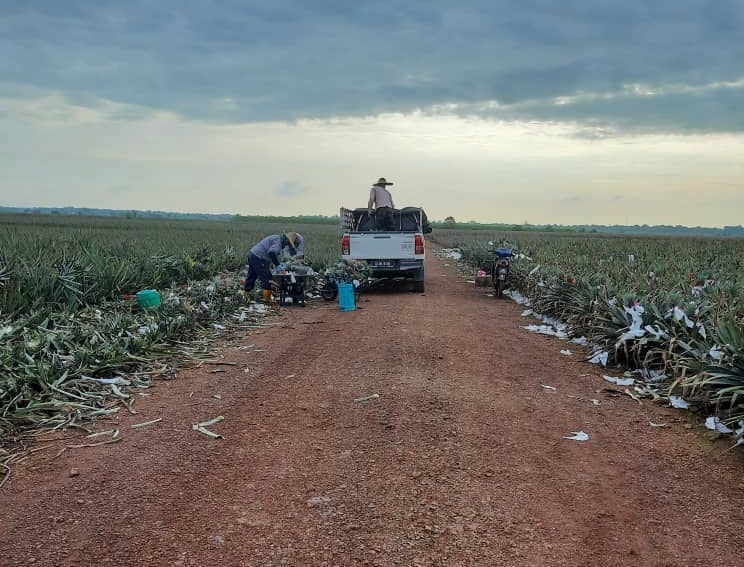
(328, 287)
(501, 270)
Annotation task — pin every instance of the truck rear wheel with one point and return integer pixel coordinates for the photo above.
(418, 283)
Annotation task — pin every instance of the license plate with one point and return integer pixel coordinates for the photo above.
(382, 264)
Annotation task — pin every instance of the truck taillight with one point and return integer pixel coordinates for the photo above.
(345, 245)
(418, 244)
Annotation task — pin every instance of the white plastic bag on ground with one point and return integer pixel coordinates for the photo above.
(680, 315)
(619, 381)
(679, 403)
(600, 357)
(714, 424)
(716, 353)
(578, 436)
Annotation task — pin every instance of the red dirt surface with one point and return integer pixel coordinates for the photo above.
(460, 461)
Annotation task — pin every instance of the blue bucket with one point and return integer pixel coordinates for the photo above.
(346, 297)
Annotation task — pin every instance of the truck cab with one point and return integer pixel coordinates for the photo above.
(397, 253)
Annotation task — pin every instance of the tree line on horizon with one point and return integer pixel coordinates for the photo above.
(448, 223)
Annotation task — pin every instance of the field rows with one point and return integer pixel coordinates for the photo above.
(667, 306)
(63, 262)
(67, 318)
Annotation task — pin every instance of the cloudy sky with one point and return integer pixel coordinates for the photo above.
(578, 111)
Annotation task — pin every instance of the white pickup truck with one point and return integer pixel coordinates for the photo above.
(397, 253)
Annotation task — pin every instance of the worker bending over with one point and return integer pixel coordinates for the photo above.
(266, 253)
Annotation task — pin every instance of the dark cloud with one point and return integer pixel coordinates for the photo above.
(290, 59)
(715, 108)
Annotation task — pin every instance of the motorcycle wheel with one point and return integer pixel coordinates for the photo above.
(329, 291)
(500, 287)
(495, 280)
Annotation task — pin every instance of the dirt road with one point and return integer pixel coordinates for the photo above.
(460, 461)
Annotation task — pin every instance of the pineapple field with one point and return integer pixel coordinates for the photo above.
(670, 309)
(70, 328)
(49, 263)
(71, 332)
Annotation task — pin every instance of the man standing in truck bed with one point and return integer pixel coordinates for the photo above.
(382, 201)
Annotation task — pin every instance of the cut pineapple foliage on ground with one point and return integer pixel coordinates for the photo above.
(457, 456)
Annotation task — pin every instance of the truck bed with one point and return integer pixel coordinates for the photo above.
(408, 219)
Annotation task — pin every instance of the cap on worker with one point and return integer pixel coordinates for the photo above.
(292, 239)
(382, 181)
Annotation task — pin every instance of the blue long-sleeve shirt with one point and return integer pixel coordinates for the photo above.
(271, 246)
(269, 249)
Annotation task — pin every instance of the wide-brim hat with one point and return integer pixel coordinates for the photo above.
(383, 181)
(292, 239)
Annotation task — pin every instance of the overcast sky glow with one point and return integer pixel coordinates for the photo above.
(512, 110)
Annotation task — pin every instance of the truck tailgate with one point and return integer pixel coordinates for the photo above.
(388, 245)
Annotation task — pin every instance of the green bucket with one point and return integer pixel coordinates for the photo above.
(148, 298)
